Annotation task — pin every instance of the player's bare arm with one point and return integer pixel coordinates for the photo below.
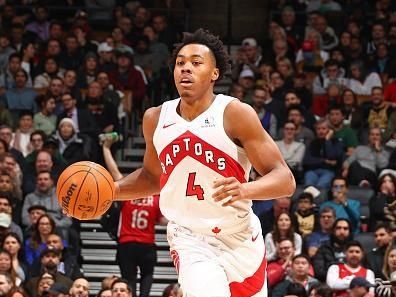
(144, 181)
(244, 128)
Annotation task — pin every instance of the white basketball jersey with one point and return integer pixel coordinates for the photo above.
(194, 154)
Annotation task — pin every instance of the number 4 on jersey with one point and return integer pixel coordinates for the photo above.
(193, 189)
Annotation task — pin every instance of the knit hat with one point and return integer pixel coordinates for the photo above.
(67, 120)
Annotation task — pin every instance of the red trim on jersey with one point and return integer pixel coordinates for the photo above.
(176, 260)
(250, 285)
(232, 167)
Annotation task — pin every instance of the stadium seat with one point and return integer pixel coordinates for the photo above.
(367, 240)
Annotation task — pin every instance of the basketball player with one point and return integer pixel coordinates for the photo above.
(198, 153)
(136, 232)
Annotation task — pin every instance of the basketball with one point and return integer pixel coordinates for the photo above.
(85, 190)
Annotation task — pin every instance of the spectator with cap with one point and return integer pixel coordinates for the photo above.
(250, 57)
(360, 287)
(106, 57)
(247, 81)
(340, 276)
(68, 263)
(127, 78)
(35, 212)
(314, 241)
(332, 251)
(58, 290)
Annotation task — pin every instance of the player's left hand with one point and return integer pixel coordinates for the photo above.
(228, 187)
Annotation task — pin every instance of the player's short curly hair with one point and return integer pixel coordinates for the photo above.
(211, 41)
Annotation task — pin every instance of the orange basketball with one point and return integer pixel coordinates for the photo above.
(85, 190)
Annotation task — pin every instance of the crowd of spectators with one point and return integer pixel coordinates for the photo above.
(323, 84)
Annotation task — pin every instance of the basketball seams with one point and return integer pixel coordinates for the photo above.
(60, 188)
(110, 184)
(79, 190)
(98, 193)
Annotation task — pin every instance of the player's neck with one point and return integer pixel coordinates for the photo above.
(190, 108)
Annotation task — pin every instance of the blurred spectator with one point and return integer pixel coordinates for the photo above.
(320, 290)
(380, 111)
(7, 267)
(70, 85)
(166, 33)
(126, 77)
(331, 73)
(54, 50)
(353, 113)
(8, 73)
(159, 49)
(267, 118)
(109, 94)
(104, 113)
(6, 205)
(277, 85)
(119, 38)
(378, 35)
(11, 167)
(277, 269)
(80, 288)
(361, 82)
(237, 91)
(21, 137)
(5, 50)
(267, 218)
(322, 157)
(56, 30)
(332, 251)
(322, 103)
(292, 98)
(340, 276)
(35, 212)
(21, 97)
(302, 133)
(172, 290)
(375, 257)
(83, 120)
(58, 290)
(37, 139)
(329, 37)
(13, 244)
(389, 266)
(68, 262)
(45, 195)
(246, 80)
(292, 27)
(51, 71)
(283, 228)
(55, 90)
(73, 146)
(327, 217)
(344, 207)
(251, 55)
(360, 287)
(6, 284)
(305, 219)
(341, 131)
(385, 196)
(72, 58)
(36, 244)
(28, 54)
(88, 71)
(361, 167)
(45, 119)
(40, 25)
(311, 57)
(299, 274)
(106, 57)
(285, 68)
(292, 150)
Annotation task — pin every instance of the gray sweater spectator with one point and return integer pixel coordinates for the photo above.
(45, 195)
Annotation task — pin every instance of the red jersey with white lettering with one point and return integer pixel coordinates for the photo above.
(344, 272)
(193, 154)
(138, 219)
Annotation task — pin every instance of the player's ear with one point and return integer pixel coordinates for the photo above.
(215, 74)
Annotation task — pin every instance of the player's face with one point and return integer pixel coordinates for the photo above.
(195, 71)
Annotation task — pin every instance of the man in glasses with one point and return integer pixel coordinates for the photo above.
(344, 207)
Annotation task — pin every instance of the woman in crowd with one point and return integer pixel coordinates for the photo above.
(51, 70)
(28, 52)
(7, 267)
(37, 242)
(283, 228)
(13, 245)
(45, 119)
(386, 194)
(360, 80)
(353, 114)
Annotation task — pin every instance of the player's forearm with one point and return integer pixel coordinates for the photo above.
(278, 183)
(138, 184)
